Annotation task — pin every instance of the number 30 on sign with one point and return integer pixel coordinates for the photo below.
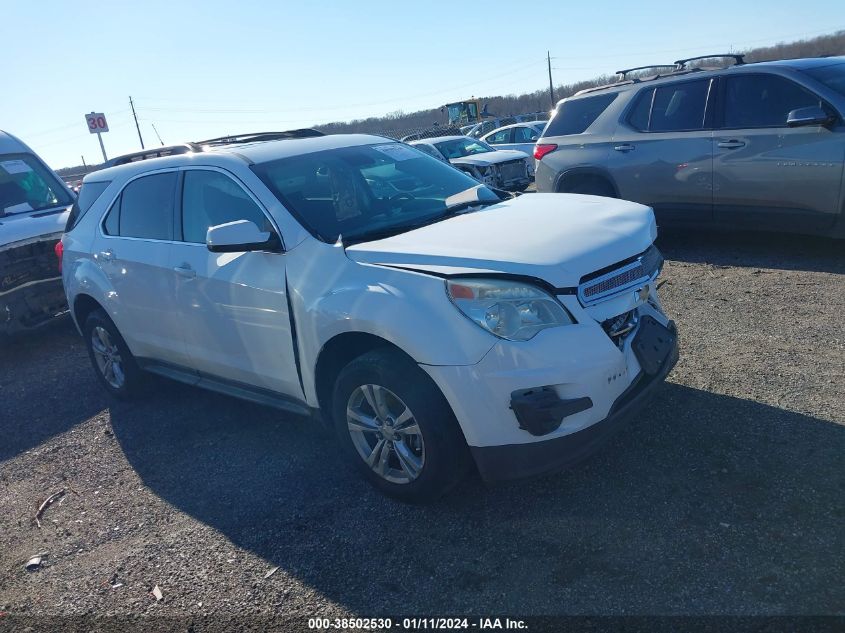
(96, 122)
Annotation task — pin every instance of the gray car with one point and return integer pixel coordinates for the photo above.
(753, 145)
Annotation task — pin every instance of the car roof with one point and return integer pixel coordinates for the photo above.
(438, 139)
(252, 152)
(748, 67)
(10, 144)
(520, 124)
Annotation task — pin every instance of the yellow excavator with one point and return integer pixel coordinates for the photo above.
(465, 112)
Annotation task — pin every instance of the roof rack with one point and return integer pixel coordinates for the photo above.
(623, 74)
(157, 152)
(255, 137)
(681, 64)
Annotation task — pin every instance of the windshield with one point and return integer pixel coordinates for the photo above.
(369, 191)
(832, 76)
(26, 186)
(462, 112)
(460, 147)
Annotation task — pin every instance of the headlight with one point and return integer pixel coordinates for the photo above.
(511, 310)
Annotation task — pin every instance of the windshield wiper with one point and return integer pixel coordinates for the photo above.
(456, 209)
(465, 206)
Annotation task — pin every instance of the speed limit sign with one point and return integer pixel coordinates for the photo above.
(96, 122)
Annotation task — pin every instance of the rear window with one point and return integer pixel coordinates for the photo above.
(144, 209)
(26, 185)
(574, 117)
(679, 107)
(88, 195)
(671, 108)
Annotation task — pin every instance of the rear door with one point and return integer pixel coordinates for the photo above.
(234, 305)
(766, 173)
(501, 139)
(662, 153)
(133, 248)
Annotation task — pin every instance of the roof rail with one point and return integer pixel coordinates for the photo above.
(623, 74)
(681, 64)
(156, 152)
(255, 137)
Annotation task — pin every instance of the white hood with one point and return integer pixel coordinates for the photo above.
(551, 236)
(490, 158)
(23, 227)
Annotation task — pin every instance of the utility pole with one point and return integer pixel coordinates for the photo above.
(83, 162)
(551, 86)
(138, 127)
(157, 134)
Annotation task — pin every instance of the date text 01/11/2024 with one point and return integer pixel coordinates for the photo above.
(416, 624)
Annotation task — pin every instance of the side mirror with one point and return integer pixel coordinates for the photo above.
(241, 236)
(812, 115)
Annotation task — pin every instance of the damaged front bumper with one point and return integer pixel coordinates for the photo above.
(31, 291)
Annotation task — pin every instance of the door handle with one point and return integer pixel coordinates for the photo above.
(106, 256)
(185, 270)
(732, 144)
(625, 147)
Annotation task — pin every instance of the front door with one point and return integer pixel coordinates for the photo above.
(767, 174)
(662, 154)
(234, 305)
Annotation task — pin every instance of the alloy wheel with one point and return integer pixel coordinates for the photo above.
(107, 357)
(385, 433)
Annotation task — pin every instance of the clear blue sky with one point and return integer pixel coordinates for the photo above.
(201, 69)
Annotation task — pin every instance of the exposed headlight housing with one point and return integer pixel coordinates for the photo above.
(511, 310)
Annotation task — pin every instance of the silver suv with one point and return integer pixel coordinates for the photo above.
(753, 145)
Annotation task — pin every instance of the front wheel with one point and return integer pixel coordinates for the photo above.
(397, 428)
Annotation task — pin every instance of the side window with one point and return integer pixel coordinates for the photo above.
(638, 119)
(112, 224)
(763, 101)
(574, 117)
(144, 208)
(525, 135)
(88, 195)
(210, 198)
(679, 107)
(502, 136)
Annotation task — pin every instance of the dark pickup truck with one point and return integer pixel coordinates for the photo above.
(34, 205)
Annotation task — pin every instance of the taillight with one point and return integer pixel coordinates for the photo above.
(542, 150)
(59, 249)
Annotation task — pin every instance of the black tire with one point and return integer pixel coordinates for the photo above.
(593, 186)
(446, 455)
(133, 376)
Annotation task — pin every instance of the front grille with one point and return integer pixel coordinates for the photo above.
(609, 283)
(601, 285)
(512, 170)
(28, 263)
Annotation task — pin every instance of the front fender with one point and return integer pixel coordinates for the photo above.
(409, 309)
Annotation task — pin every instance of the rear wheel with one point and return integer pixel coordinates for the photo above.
(113, 362)
(397, 428)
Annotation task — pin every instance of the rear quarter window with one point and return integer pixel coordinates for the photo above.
(88, 195)
(574, 117)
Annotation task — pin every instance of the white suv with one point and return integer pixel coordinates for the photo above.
(435, 322)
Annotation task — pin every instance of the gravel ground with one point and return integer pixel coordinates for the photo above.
(724, 496)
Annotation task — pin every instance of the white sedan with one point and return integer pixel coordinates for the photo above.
(519, 136)
(504, 169)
